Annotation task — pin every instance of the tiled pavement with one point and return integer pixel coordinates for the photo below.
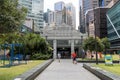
(66, 70)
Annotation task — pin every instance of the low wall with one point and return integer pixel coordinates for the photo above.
(34, 72)
(102, 74)
(82, 61)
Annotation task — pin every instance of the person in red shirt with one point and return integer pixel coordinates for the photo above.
(73, 55)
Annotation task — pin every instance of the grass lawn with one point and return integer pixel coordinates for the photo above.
(114, 69)
(11, 72)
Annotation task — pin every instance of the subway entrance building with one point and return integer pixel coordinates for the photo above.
(64, 39)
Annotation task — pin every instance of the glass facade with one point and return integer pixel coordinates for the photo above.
(101, 3)
(59, 6)
(87, 4)
(113, 22)
(35, 12)
(113, 26)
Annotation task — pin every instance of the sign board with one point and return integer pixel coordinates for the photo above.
(108, 60)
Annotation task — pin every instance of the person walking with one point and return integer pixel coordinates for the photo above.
(74, 55)
(59, 57)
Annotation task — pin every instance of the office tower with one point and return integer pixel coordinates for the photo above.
(60, 13)
(59, 6)
(112, 3)
(88, 5)
(71, 15)
(113, 26)
(49, 17)
(59, 17)
(100, 22)
(65, 13)
(35, 12)
(81, 19)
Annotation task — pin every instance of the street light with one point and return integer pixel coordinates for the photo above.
(81, 45)
(33, 27)
(95, 38)
(46, 37)
(81, 40)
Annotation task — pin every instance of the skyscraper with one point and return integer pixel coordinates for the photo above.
(49, 17)
(71, 14)
(35, 12)
(112, 3)
(59, 6)
(113, 26)
(65, 13)
(89, 5)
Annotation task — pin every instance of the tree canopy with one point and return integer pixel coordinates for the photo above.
(32, 43)
(106, 42)
(11, 15)
(93, 44)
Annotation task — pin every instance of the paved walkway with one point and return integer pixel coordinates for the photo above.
(65, 70)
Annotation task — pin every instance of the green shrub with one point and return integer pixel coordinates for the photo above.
(41, 56)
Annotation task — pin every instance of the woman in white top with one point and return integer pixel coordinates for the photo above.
(59, 56)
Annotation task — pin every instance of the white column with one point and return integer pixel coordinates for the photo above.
(72, 46)
(55, 49)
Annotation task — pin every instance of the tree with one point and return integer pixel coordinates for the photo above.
(106, 43)
(33, 43)
(11, 15)
(91, 43)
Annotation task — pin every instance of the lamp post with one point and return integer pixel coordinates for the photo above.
(95, 38)
(46, 37)
(81, 45)
(81, 40)
(33, 27)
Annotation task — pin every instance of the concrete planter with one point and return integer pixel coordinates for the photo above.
(102, 74)
(34, 72)
(82, 61)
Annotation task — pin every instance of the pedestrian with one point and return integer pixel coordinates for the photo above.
(59, 57)
(74, 55)
(8, 55)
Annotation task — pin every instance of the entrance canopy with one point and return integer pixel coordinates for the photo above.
(62, 32)
(63, 36)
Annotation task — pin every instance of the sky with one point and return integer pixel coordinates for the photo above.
(49, 4)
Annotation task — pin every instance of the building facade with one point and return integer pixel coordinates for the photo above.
(112, 3)
(64, 13)
(71, 15)
(113, 25)
(58, 17)
(100, 22)
(91, 4)
(49, 17)
(35, 12)
(64, 39)
(91, 30)
(59, 6)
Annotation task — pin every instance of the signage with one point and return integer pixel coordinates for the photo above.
(108, 60)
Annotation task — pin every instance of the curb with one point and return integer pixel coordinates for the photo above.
(102, 74)
(34, 72)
